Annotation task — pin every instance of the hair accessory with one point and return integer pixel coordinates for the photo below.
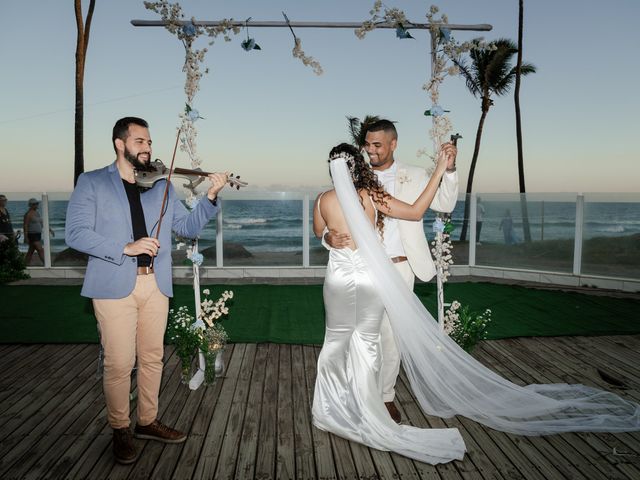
(351, 163)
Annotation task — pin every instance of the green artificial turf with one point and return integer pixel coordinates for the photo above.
(295, 313)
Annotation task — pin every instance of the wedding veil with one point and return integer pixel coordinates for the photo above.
(448, 381)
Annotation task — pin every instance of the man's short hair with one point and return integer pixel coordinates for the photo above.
(121, 128)
(383, 125)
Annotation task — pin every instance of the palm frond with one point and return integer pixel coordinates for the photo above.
(358, 128)
(354, 130)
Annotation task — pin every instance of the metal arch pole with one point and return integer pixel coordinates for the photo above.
(481, 27)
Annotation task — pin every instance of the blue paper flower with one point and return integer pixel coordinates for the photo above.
(445, 35)
(189, 29)
(438, 225)
(402, 32)
(435, 111)
(193, 115)
(250, 44)
(197, 258)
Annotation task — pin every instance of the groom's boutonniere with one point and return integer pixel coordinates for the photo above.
(403, 177)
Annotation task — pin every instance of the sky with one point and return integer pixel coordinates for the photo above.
(269, 119)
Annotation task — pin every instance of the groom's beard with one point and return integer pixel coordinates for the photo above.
(135, 161)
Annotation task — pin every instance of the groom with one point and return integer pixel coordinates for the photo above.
(404, 240)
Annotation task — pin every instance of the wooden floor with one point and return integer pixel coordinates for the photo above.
(255, 423)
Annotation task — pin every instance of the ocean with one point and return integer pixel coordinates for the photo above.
(276, 225)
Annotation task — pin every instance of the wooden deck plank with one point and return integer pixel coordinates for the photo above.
(229, 453)
(267, 432)
(206, 466)
(97, 459)
(248, 447)
(589, 445)
(42, 365)
(37, 412)
(285, 445)
(562, 447)
(274, 397)
(157, 460)
(304, 458)
(412, 414)
(197, 434)
(603, 444)
(526, 457)
(33, 455)
(325, 469)
(346, 464)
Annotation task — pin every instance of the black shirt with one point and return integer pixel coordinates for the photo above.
(137, 219)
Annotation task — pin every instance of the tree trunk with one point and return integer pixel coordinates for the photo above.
(82, 42)
(516, 98)
(486, 104)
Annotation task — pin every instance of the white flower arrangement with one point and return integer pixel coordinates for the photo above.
(466, 328)
(215, 336)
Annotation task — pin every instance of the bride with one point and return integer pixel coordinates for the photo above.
(348, 393)
(360, 283)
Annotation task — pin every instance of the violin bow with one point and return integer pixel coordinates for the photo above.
(166, 189)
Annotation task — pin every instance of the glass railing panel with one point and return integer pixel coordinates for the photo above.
(540, 238)
(262, 229)
(611, 238)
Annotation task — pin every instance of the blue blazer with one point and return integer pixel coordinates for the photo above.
(99, 224)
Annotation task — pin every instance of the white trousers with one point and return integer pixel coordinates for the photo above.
(390, 353)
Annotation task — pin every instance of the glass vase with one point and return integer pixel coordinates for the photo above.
(210, 360)
(186, 372)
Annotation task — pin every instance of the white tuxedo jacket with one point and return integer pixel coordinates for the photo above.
(410, 182)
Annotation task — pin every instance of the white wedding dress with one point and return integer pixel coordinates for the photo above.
(348, 393)
(444, 378)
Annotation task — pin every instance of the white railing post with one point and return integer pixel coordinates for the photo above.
(577, 243)
(45, 230)
(473, 211)
(305, 231)
(219, 245)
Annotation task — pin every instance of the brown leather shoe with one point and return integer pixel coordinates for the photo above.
(393, 411)
(160, 432)
(123, 448)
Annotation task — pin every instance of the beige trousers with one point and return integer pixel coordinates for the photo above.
(131, 326)
(390, 353)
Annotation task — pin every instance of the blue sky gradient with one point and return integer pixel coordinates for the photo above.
(270, 119)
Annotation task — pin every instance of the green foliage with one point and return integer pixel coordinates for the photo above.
(12, 266)
(182, 332)
(465, 327)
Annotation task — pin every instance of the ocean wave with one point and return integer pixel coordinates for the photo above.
(245, 221)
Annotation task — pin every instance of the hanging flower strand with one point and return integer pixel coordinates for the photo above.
(299, 53)
(188, 33)
(250, 43)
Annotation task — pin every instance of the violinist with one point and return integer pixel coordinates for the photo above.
(128, 275)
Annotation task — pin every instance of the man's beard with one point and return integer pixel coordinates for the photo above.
(135, 162)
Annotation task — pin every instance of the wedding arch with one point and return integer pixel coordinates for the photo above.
(442, 48)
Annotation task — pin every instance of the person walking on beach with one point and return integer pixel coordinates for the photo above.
(128, 275)
(6, 227)
(479, 219)
(33, 231)
(506, 225)
(404, 240)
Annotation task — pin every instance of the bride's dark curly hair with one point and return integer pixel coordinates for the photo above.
(363, 177)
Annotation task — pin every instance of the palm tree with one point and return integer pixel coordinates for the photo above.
(490, 73)
(82, 42)
(516, 99)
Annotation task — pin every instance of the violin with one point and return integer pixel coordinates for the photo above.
(158, 171)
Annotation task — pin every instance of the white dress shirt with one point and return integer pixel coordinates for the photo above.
(391, 239)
